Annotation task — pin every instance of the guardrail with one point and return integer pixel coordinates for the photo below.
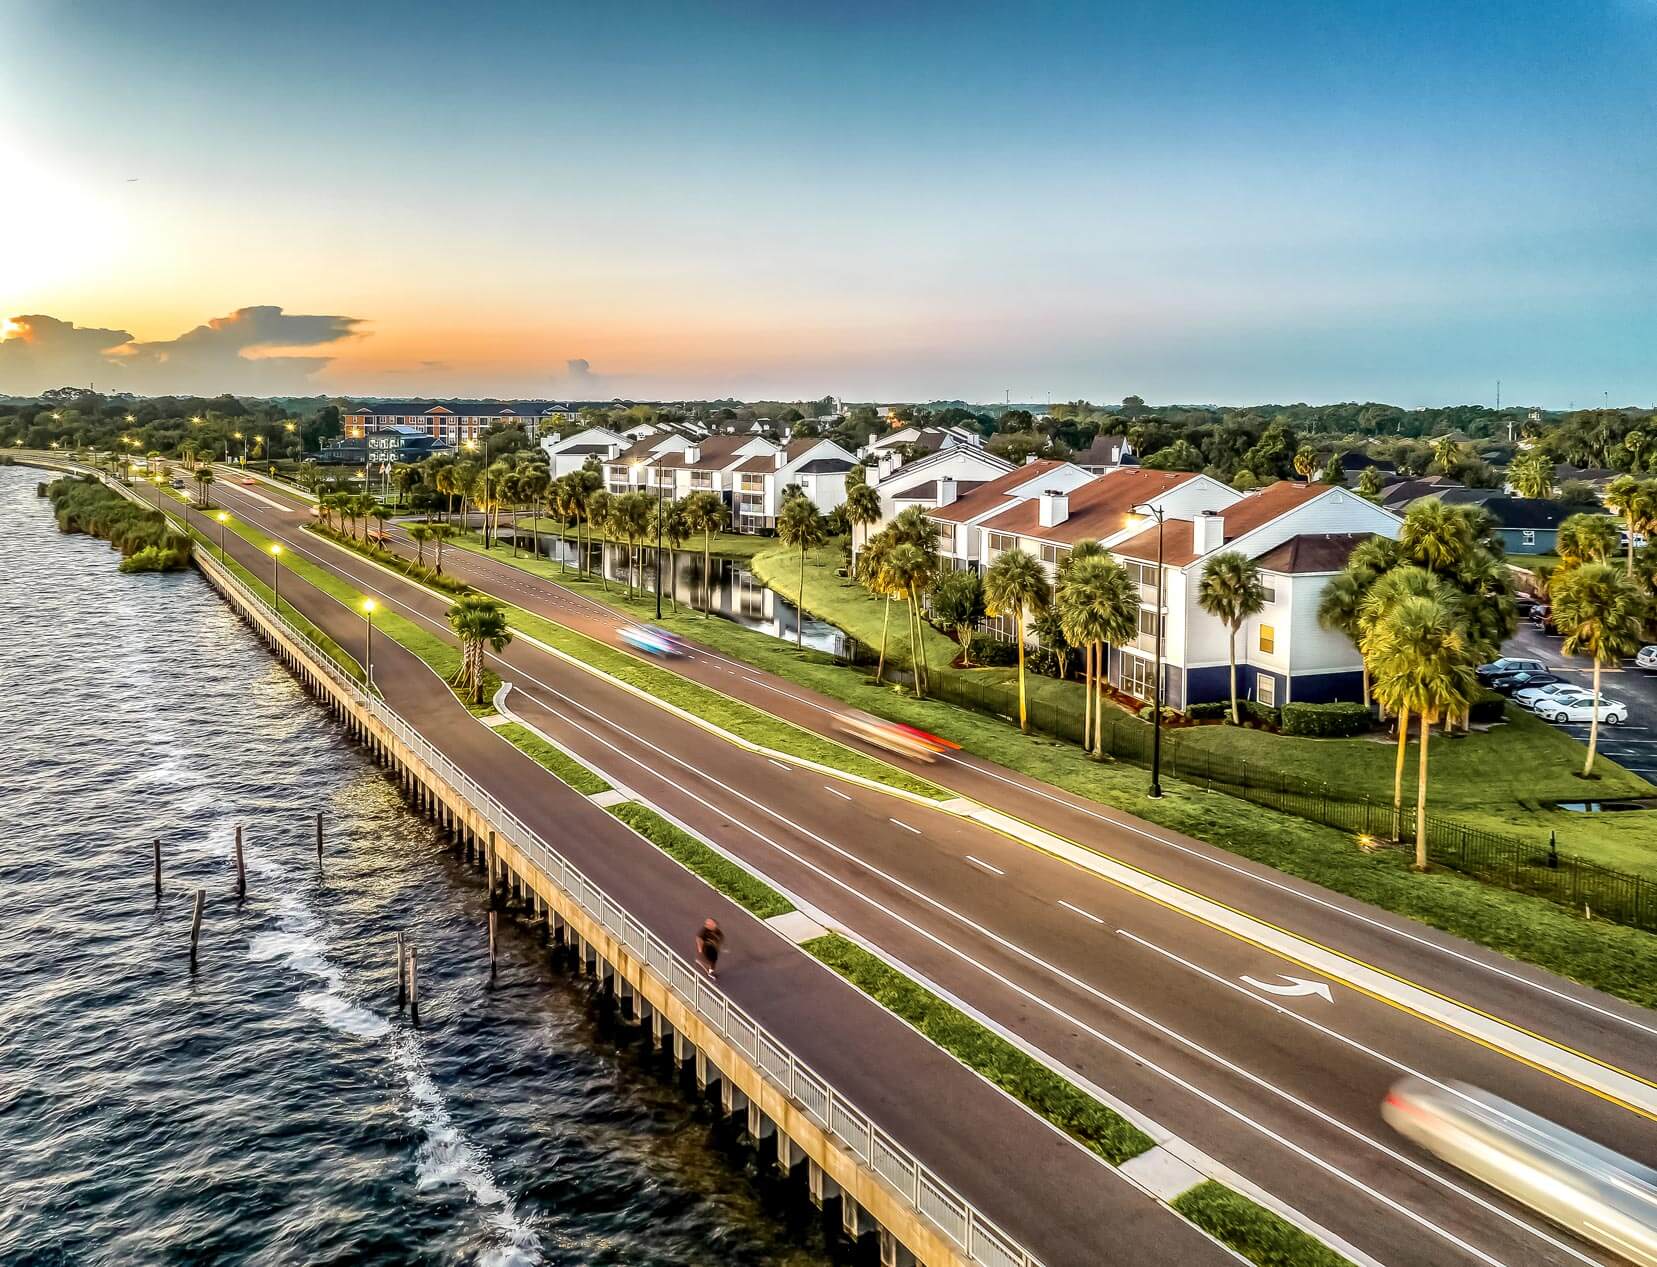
(976, 1235)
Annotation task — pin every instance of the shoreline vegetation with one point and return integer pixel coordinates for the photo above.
(83, 505)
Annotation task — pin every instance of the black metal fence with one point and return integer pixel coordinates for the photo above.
(1507, 861)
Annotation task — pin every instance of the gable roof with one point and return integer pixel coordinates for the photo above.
(975, 452)
(1101, 452)
(1240, 517)
(1528, 513)
(1101, 507)
(992, 494)
(1312, 552)
(928, 490)
(713, 454)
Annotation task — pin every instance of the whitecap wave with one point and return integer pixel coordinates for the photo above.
(344, 1015)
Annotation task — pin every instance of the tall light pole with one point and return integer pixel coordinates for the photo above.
(276, 576)
(368, 606)
(1155, 792)
(221, 518)
(659, 473)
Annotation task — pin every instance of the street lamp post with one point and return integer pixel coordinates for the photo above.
(1155, 792)
(368, 641)
(659, 474)
(276, 576)
(221, 518)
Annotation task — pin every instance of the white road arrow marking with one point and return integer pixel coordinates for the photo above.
(1300, 986)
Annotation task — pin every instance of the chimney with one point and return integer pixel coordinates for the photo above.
(693, 455)
(946, 490)
(1055, 508)
(1030, 460)
(1207, 532)
(782, 458)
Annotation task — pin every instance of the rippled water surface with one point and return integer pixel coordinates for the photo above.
(274, 1108)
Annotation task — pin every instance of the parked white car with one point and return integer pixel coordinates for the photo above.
(1647, 659)
(1533, 695)
(1613, 712)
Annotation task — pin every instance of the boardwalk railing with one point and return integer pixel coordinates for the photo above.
(974, 1234)
(1508, 861)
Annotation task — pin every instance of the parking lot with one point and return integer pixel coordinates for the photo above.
(1632, 745)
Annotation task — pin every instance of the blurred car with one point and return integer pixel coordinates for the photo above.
(1524, 604)
(652, 641)
(1613, 712)
(1567, 1178)
(906, 741)
(1508, 683)
(248, 479)
(1509, 664)
(1647, 659)
(1530, 696)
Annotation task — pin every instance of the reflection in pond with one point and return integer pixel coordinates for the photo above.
(737, 594)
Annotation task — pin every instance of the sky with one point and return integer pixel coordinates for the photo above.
(1191, 202)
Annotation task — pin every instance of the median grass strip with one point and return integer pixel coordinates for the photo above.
(720, 709)
(1026, 1079)
(553, 759)
(720, 872)
(1252, 1230)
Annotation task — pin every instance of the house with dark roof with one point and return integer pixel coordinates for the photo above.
(572, 452)
(1106, 453)
(1525, 525)
(1399, 495)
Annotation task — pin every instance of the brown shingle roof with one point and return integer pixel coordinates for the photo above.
(1312, 552)
(1098, 508)
(1176, 544)
(1240, 517)
(991, 494)
(714, 454)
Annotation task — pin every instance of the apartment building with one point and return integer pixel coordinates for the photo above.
(572, 452)
(946, 473)
(452, 422)
(749, 473)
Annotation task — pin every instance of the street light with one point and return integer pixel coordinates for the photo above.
(221, 517)
(659, 474)
(276, 572)
(1155, 792)
(368, 606)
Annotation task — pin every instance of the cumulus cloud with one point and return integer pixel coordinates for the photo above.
(578, 370)
(252, 351)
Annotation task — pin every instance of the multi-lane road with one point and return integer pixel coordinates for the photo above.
(1214, 1027)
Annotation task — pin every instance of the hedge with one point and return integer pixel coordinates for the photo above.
(1488, 707)
(1326, 721)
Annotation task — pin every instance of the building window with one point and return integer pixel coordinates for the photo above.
(1528, 536)
(1265, 690)
(1054, 554)
(1268, 639)
(1138, 675)
(1268, 591)
(1147, 621)
(1002, 541)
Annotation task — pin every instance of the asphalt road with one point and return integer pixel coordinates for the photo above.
(1632, 745)
(1155, 1007)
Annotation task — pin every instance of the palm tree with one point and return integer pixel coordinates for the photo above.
(1340, 604)
(1424, 664)
(1636, 501)
(1231, 592)
(439, 533)
(705, 513)
(1531, 474)
(405, 478)
(1098, 606)
(871, 568)
(478, 620)
(1445, 452)
(379, 512)
(420, 534)
(1435, 536)
(862, 509)
(596, 509)
(630, 517)
(204, 477)
(1016, 586)
(1587, 539)
(801, 525)
(1601, 612)
(534, 486)
(911, 572)
(1306, 462)
(672, 529)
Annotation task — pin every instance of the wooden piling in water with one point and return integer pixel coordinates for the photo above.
(158, 868)
(195, 926)
(491, 945)
(414, 984)
(241, 869)
(319, 839)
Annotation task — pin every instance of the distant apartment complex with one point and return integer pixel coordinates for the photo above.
(452, 422)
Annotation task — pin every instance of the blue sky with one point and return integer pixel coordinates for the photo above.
(1187, 201)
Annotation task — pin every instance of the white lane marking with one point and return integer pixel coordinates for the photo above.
(979, 862)
(780, 765)
(1297, 986)
(904, 825)
(975, 961)
(836, 791)
(1079, 911)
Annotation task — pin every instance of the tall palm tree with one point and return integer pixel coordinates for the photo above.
(379, 512)
(420, 534)
(1016, 586)
(439, 533)
(1531, 474)
(800, 524)
(405, 478)
(705, 513)
(478, 620)
(1636, 501)
(1073, 558)
(534, 486)
(1098, 604)
(1601, 612)
(1340, 604)
(1446, 451)
(871, 571)
(1587, 539)
(596, 510)
(862, 509)
(1436, 536)
(1231, 592)
(911, 572)
(1424, 664)
(204, 477)
(668, 523)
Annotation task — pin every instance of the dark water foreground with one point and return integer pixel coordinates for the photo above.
(274, 1108)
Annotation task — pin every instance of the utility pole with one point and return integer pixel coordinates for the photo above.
(659, 473)
(1155, 792)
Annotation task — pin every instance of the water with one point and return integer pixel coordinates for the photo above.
(737, 594)
(275, 1108)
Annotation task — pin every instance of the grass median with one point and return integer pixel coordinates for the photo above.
(734, 881)
(1084, 1119)
(1252, 1230)
(553, 759)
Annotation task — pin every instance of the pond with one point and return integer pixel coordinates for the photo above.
(737, 594)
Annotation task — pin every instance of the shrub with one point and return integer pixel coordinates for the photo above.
(1262, 715)
(1487, 707)
(992, 653)
(1209, 711)
(1326, 721)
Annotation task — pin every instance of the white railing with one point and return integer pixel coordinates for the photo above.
(956, 1218)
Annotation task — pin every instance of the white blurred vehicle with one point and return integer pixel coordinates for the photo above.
(1531, 696)
(652, 641)
(1613, 712)
(1600, 1195)
(1647, 659)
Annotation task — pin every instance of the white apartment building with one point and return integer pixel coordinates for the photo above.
(572, 452)
(749, 473)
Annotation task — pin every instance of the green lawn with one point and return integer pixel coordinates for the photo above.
(1252, 1230)
(735, 882)
(555, 760)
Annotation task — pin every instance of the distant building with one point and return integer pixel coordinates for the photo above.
(387, 446)
(1526, 525)
(1106, 453)
(572, 452)
(453, 422)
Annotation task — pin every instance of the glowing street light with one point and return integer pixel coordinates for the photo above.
(368, 606)
(222, 518)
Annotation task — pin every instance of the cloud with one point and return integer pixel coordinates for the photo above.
(578, 370)
(252, 351)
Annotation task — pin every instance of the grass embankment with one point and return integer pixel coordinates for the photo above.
(141, 535)
(1026, 1079)
(1252, 1230)
(1605, 956)
(730, 545)
(720, 872)
(555, 760)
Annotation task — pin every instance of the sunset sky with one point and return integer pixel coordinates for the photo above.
(1190, 201)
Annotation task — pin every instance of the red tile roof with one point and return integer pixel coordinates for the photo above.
(1098, 508)
(992, 494)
